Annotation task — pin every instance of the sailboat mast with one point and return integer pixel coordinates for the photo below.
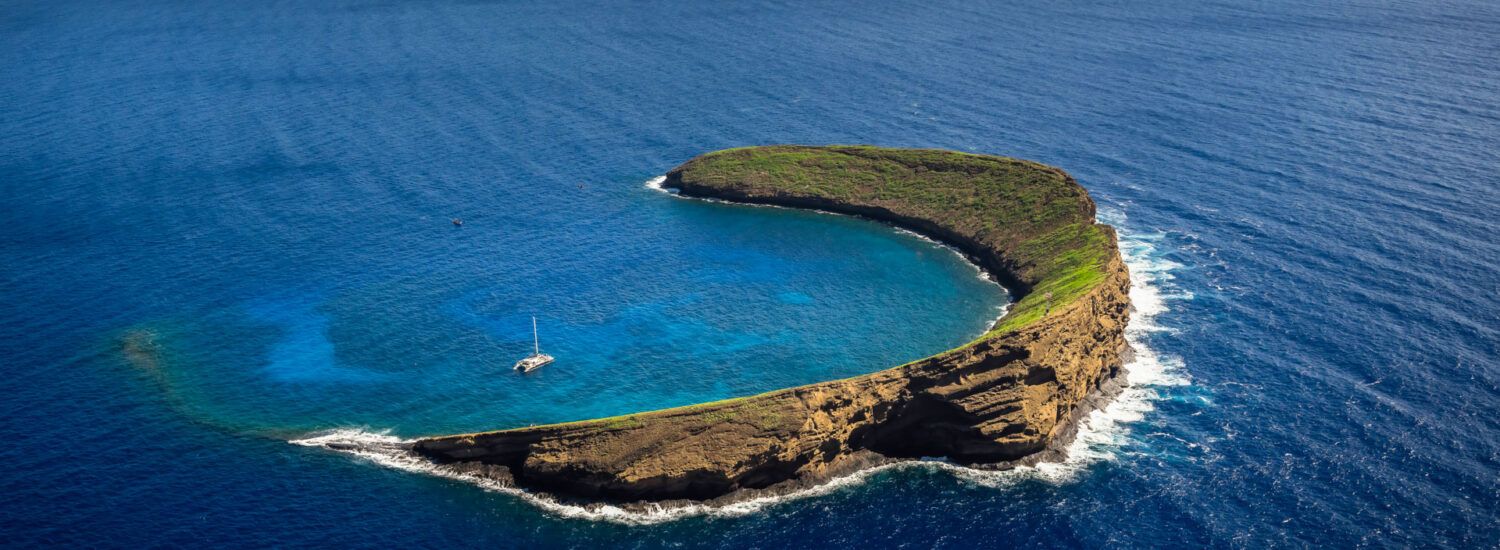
(534, 340)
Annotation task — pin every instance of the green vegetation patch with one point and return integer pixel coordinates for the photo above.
(993, 194)
(1071, 260)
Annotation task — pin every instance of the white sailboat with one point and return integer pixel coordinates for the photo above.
(536, 360)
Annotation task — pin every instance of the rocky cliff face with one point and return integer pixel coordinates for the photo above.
(1005, 397)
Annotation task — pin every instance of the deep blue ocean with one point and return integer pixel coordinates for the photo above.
(226, 233)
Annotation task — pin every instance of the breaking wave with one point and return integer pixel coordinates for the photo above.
(1101, 434)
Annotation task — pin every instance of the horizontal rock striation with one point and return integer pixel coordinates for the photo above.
(1007, 396)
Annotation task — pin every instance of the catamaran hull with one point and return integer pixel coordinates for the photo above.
(532, 363)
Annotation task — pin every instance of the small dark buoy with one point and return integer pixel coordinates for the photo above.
(457, 221)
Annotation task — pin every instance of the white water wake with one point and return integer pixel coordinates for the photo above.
(1101, 434)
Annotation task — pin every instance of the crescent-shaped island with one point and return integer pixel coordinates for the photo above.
(1012, 396)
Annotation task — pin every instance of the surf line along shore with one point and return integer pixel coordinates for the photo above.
(1012, 396)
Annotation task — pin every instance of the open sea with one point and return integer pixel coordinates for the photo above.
(226, 236)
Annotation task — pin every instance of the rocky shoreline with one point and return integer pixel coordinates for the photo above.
(1012, 397)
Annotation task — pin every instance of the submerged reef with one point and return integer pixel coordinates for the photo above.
(1011, 396)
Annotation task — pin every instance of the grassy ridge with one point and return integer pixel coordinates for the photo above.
(1039, 218)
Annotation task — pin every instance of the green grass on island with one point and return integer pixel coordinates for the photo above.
(1039, 218)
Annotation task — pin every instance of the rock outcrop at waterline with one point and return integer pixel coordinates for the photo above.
(1003, 397)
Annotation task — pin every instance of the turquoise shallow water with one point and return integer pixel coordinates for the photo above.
(258, 196)
(748, 300)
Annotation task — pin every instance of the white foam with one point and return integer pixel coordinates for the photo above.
(393, 452)
(1101, 434)
(1149, 274)
(655, 183)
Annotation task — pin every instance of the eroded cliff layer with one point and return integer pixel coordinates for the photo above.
(1003, 397)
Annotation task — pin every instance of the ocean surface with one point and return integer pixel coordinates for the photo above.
(226, 236)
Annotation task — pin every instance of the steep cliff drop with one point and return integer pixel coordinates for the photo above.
(1011, 396)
